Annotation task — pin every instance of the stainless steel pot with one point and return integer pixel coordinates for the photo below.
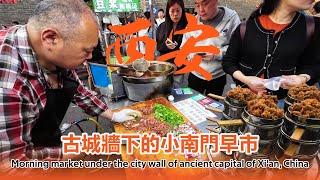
(306, 150)
(149, 85)
(267, 129)
(311, 132)
(266, 132)
(159, 69)
(246, 116)
(288, 101)
(233, 108)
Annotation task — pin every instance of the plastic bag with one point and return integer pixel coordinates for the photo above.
(273, 84)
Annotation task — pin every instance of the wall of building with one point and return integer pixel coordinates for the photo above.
(17, 12)
(24, 8)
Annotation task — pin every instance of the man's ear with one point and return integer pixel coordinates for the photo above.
(50, 37)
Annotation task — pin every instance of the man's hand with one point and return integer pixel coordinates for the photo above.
(294, 80)
(125, 115)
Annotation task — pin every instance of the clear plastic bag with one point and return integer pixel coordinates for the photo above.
(273, 84)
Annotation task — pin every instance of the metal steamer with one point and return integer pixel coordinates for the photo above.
(232, 110)
(300, 137)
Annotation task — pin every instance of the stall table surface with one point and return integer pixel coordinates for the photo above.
(172, 173)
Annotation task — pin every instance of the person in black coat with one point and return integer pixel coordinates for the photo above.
(166, 40)
(261, 53)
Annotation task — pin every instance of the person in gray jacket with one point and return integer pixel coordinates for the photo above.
(225, 21)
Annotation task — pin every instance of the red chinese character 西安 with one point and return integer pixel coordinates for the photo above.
(191, 47)
(132, 52)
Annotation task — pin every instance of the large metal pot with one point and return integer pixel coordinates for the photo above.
(304, 149)
(280, 156)
(267, 129)
(288, 101)
(280, 153)
(301, 120)
(233, 108)
(246, 116)
(149, 85)
(266, 132)
(311, 132)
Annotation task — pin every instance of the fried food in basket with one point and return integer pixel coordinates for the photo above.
(265, 107)
(241, 94)
(309, 108)
(303, 92)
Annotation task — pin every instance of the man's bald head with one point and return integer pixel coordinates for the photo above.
(63, 33)
(63, 15)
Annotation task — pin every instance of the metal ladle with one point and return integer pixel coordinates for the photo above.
(135, 74)
(140, 66)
